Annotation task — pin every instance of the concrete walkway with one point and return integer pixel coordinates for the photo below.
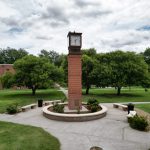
(110, 133)
(64, 91)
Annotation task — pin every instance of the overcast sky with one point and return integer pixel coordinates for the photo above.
(44, 24)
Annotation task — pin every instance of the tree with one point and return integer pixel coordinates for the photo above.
(64, 66)
(87, 68)
(88, 62)
(147, 56)
(34, 72)
(7, 80)
(127, 68)
(102, 70)
(89, 52)
(101, 75)
(53, 56)
(146, 82)
(10, 55)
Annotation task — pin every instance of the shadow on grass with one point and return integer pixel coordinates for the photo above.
(43, 94)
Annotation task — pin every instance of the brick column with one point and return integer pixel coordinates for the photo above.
(74, 81)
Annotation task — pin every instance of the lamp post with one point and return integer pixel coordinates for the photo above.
(74, 70)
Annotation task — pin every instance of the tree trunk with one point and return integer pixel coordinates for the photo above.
(87, 89)
(146, 89)
(129, 88)
(118, 90)
(33, 90)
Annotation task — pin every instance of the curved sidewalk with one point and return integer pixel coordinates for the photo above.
(110, 133)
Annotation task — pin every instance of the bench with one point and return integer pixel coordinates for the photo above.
(27, 107)
(52, 102)
(123, 107)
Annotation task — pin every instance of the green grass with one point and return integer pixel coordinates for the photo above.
(145, 107)
(24, 97)
(135, 94)
(21, 137)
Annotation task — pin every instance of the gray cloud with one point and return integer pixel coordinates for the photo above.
(15, 30)
(55, 24)
(91, 8)
(121, 43)
(84, 3)
(55, 14)
(117, 24)
(131, 39)
(10, 21)
(44, 37)
(146, 37)
(97, 13)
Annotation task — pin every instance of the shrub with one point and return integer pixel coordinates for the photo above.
(94, 108)
(58, 108)
(92, 101)
(12, 109)
(138, 122)
(92, 105)
(64, 99)
(7, 80)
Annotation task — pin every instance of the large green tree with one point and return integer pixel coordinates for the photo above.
(146, 81)
(127, 69)
(53, 56)
(89, 52)
(10, 55)
(102, 70)
(88, 64)
(35, 72)
(147, 56)
(87, 68)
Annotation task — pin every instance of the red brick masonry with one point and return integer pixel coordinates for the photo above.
(74, 81)
(6, 68)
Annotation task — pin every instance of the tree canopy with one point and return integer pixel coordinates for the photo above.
(87, 68)
(116, 69)
(10, 55)
(128, 68)
(7, 80)
(52, 56)
(35, 72)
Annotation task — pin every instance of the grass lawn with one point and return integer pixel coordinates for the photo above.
(21, 137)
(24, 97)
(145, 107)
(106, 95)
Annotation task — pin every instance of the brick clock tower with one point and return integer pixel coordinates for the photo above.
(74, 70)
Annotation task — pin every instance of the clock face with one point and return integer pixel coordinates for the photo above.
(75, 40)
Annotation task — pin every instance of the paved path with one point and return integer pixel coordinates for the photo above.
(64, 91)
(111, 132)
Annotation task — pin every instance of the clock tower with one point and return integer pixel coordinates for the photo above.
(74, 70)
